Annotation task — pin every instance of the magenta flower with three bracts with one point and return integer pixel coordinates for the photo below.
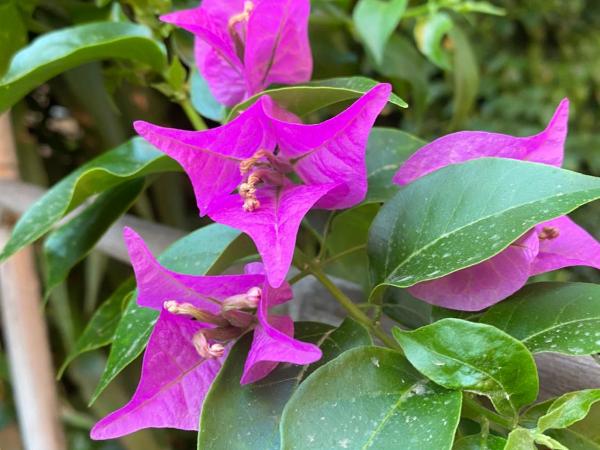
(549, 246)
(244, 46)
(256, 153)
(200, 317)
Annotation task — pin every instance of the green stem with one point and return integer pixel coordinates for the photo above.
(472, 409)
(354, 311)
(195, 118)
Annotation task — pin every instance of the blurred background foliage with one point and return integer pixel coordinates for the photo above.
(503, 73)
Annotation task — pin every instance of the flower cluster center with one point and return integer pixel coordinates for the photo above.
(237, 27)
(264, 167)
(237, 315)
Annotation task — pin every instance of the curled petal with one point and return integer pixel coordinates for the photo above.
(572, 247)
(546, 147)
(211, 158)
(157, 284)
(174, 382)
(277, 47)
(484, 284)
(334, 151)
(273, 343)
(274, 225)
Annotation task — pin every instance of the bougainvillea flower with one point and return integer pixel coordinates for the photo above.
(244, 46)
(256, 153)
(549, 246)
(200, 317)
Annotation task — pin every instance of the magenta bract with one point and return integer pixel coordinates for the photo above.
(257, 152)
(549, 246)
(244, 46)
(200, 317)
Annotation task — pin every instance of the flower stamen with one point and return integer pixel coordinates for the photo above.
(187, 309)
(239, 36)
(549, 233)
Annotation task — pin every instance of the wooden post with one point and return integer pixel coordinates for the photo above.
(25, 329)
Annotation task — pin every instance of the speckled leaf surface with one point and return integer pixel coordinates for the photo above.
(133, 159)
(247, 417)
(59, 51)
(474, 357)
(304, 99)
(194, 254)
(552, 317)
(466, 213)
(370, 397)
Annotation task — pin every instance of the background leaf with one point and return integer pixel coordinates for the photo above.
(479, 442)
(226, 422)
(203, 100)
(195, 254)
(370, 397)
(13, 33)
(70, 243)
(474, 357)
(375, 21)
(568, 409)
(59, 51)
(430, 34)
(133, 159)
(304, 99)
(466, 77)
(582, 435)
(466, 213)
(552, 317)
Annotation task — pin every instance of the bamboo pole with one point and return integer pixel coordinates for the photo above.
(25, 329)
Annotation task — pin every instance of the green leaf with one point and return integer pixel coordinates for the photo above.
(370, 397)
(568, 409)
(13, 33)
(226, 423)
(582, 435)
(133, 159)
(429, 35)
(466, 77)
(479, 7)
(305, 99)
(375, 21)
(58, 51)
(466, 213)
(203, 100)
(480, 442)
(70, 243)
(405, 309)
(386, 150)
(474, 357)
(552, 317)
(194, 254)
(520, 439)
(101, 328)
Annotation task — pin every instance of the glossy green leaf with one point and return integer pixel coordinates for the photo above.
(101, 328)
(474, 357)
(13, 33)
(520, 439)
(480, 442)
(568, 409)
(370, 397)
(70, 243)
(304, 99)
(225, 422)
(58, 51)
(552, 317)
(466, 213)
(203, 100)
(375, 21)
(386, 150)
(194, 254)
(405, 309)
(133, 159)
(582, 435)
(430, 34)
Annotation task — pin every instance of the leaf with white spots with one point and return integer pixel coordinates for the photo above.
(458, 354)
(466, 213)
(247, 417)
(568, 409)
(370, 397)
(552, 317)
(195, 254)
